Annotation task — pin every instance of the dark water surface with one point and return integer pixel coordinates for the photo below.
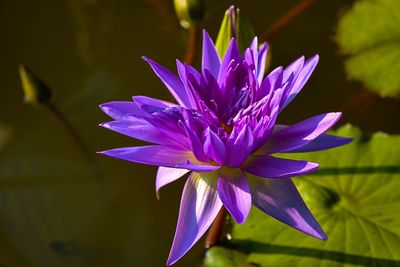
(56, 209)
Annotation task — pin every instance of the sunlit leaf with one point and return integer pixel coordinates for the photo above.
(222, 257)
(369, 34)
(355, 198)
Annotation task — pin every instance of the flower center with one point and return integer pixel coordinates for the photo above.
(226, 127)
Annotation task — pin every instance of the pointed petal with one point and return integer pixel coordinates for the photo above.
(171, 81)
(301, 79)
(270, 83)
(324, 141)
(293, 69)
(167, 175)
(184, 71)
(184, 68)
(123, 110)
(152, 155)
(141, 130)
(262, 61)
(271, 167)
(234, 192)
(241, 148)
(200, 205)
(302, 133)
(280, 199)
(210, 59)
(143, 101)
(160, 156)
(254, 45)
(214, 147)
(232, 53)
(254, 48)
(251, 54)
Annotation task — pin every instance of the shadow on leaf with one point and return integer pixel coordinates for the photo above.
(357, 170)
(340, 257)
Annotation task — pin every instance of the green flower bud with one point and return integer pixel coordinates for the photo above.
(189, 12)
(234, 25)
(36, 92)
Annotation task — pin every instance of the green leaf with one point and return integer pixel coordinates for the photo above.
(222, 257)
(355, 197)
(241, 29)
(369, 34)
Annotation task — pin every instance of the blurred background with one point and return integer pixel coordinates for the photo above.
(61, 205)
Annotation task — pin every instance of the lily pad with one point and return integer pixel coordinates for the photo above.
(355, 198)
(369, 34)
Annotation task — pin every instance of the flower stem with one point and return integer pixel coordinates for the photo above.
(215, 232)
(192, 45)
(357, 105)
(74, 135)
(287, 18)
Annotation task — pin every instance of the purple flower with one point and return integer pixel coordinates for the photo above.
(223, 130)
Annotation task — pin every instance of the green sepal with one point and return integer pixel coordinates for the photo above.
(234, 25)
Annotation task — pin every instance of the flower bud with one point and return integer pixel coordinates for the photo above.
(36, 92)
(234, 25)
(189, 12)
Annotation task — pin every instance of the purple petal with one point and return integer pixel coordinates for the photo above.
(254, 48)
(280, 199)
(270, 83)
(196, 167)
(172, 82)
(271, 167)
(123, 110)
(200, 205)
(152, 155)
(232, 53)
(324, 141)
(241, 148)
(214, 147)
(275, 78)
(234, 192)
(293, 69)
(148, 101)
(167, 175)
(141, 130)
(195, 144)
(251, 54)
(302, 133)
(262, 61)
(184, 70)
(301, 80)
(210, 59)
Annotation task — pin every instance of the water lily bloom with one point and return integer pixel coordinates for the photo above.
(223, 132)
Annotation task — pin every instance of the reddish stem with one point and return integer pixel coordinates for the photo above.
(287, 18)
(358, 104)
(192, 45)
(74, 135)
(68, 127)
(215, 232)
